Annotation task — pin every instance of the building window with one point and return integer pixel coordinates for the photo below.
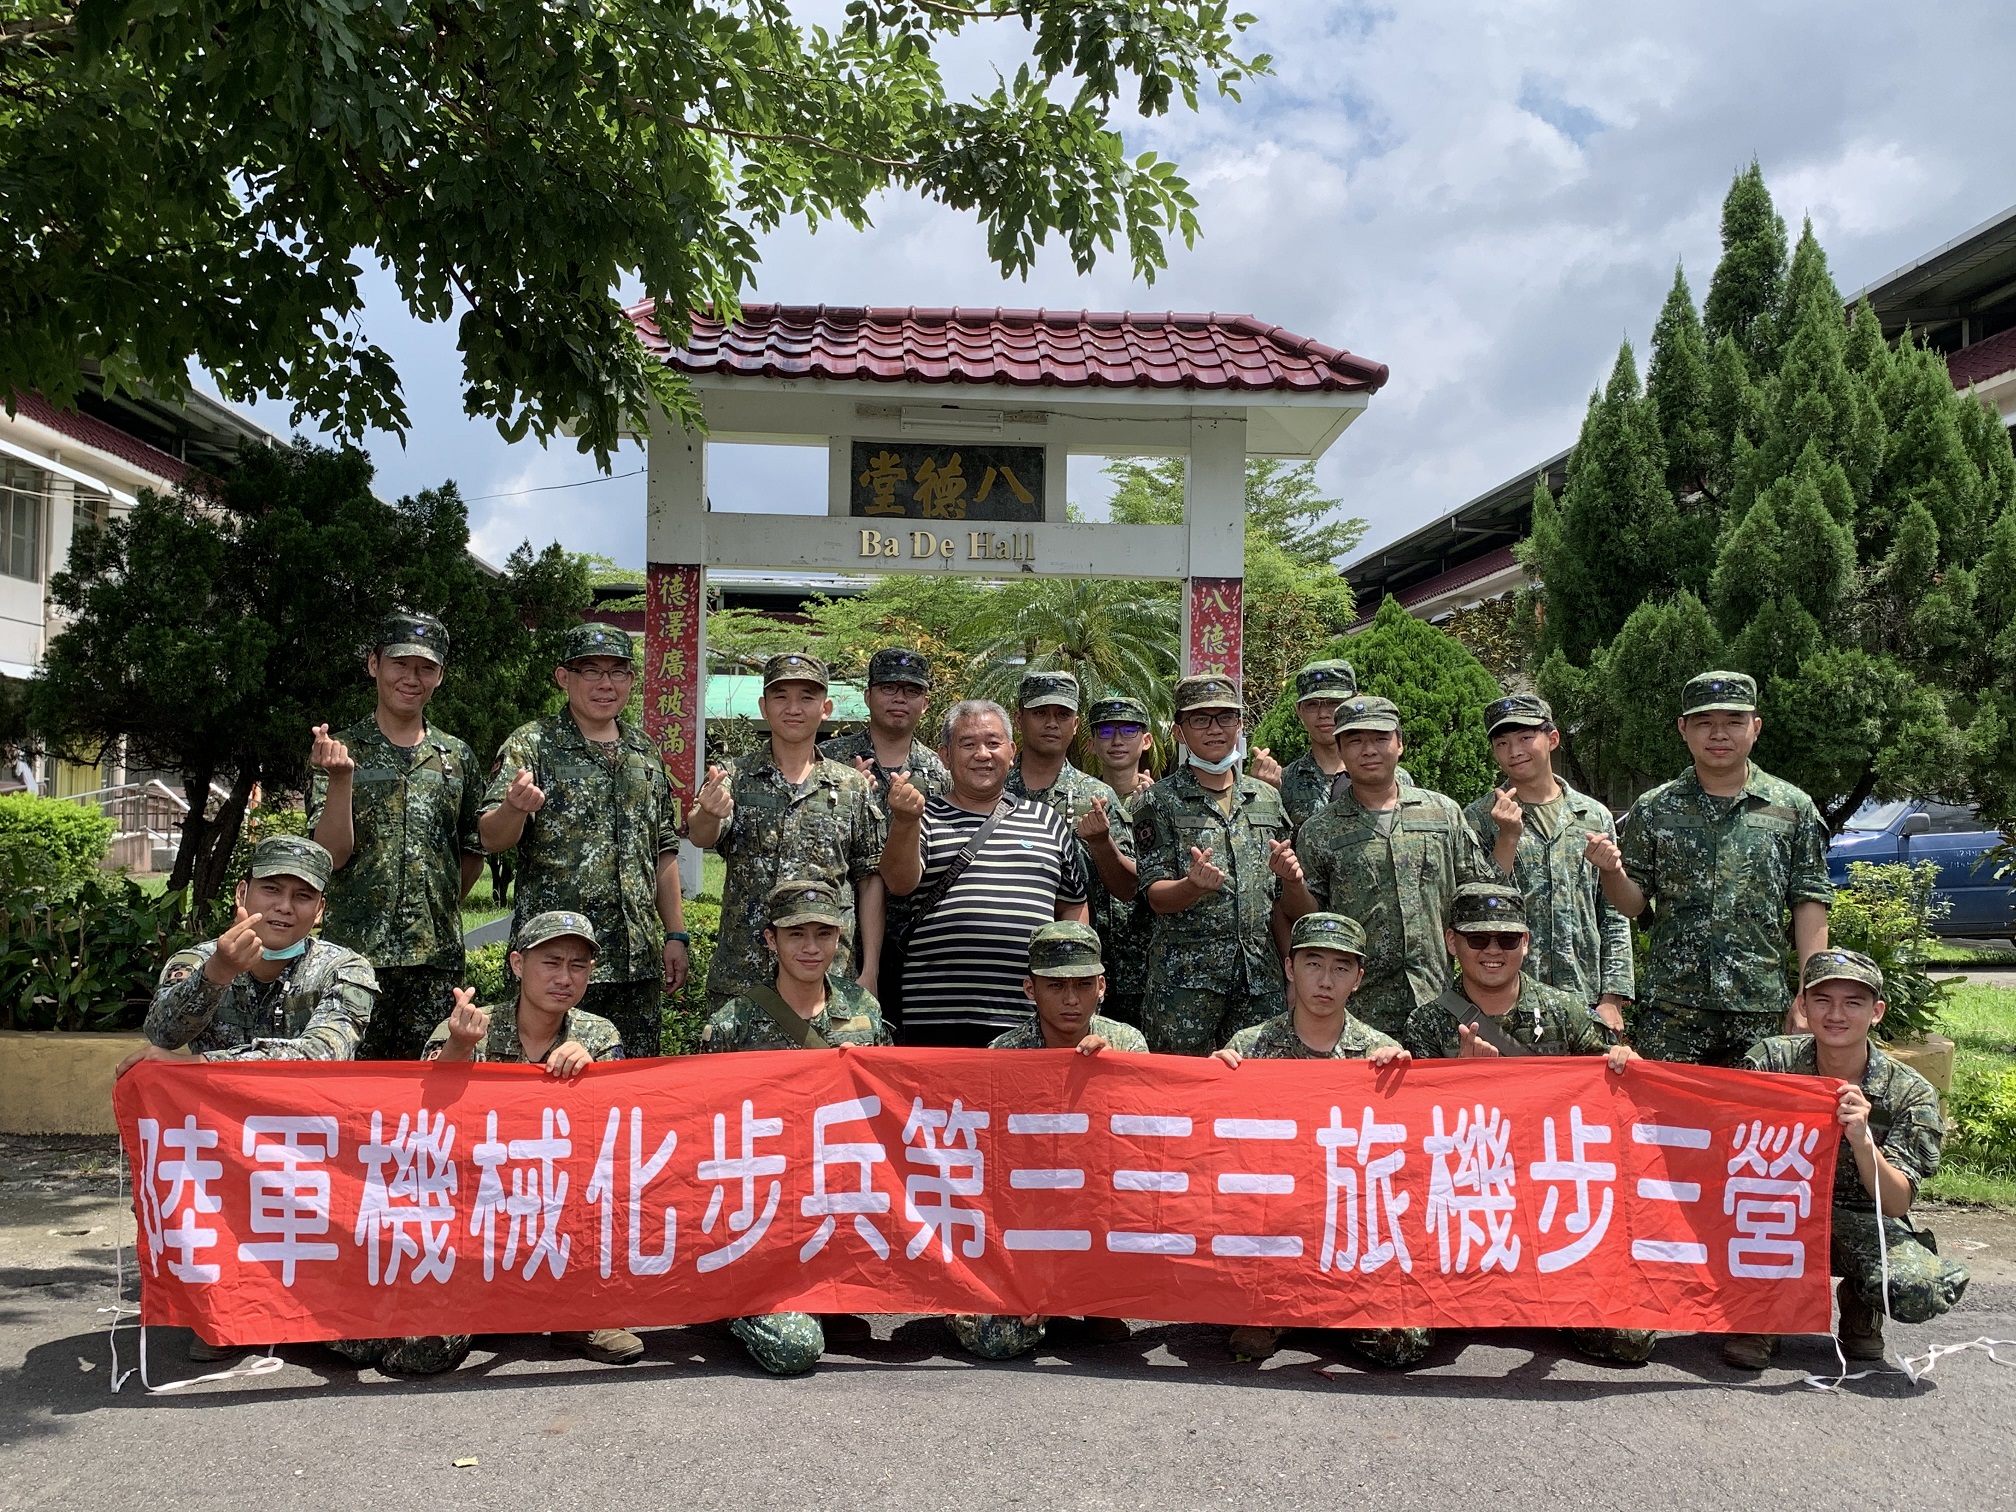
(88, 511)
(22, 489)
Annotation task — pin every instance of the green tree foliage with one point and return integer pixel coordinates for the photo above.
(189, 180)
(1441, 690)
(210, 633)
(51, 843)
(1843, 533)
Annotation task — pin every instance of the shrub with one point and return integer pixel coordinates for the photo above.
(1983, 1110)
(51, 844)
(1887, 912)
(88, 959)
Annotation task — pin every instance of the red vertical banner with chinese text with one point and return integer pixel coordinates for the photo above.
(675, 675)
(1213, 626)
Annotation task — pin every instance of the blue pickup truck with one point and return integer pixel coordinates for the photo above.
(1953, 836)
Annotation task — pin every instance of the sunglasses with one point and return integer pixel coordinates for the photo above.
(1111, 731)
(1484, 940)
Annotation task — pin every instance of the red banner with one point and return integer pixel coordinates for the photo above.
(284, 1202)
(1216, 621)
(675, 691)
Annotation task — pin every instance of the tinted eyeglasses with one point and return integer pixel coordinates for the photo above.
(1509, 939)
(1110, 731)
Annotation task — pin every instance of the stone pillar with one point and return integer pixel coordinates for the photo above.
(675, 624)
(1214, 512)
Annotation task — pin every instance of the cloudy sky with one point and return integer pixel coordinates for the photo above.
(1487, 197)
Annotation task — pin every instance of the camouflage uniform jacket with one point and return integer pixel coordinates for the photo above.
(398, 900)
(1580, 943)
(1545, 1020)
(1305, 788)
(1124, 1038)
(1399, 885)
(851, 1017)
(1904, 1116)
(1277, 1040)
(1720, 875)
(1072, 795)
(1222, 942)
(595, 844)
(1124, 928)
(317, 1009)
(927, 772)
(593, 1033)
(829, 826)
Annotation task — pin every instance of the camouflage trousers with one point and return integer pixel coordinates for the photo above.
(784, 1344)
(1192, 1021)
(411, 1001)
(996, 1336)
(422, 1355)
(1629, 1345)
(1122, 1007)
(1385, 1005)
(1396, 1348)
(1700, 1036)
(1922, 1284)
(635, 1008)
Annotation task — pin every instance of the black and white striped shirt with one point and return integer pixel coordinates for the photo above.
(966, 962)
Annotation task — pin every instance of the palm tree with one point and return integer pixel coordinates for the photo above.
(1116, 635)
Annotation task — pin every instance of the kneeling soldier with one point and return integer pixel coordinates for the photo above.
(1066, 982)
(1891, 1132)
(1496, 1009)
(553, 958)
(805, 1010)
(1326, 961)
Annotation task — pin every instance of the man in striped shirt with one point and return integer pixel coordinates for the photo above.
(967, 949)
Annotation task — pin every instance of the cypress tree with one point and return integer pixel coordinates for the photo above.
(1677, 384)
(1749, 282)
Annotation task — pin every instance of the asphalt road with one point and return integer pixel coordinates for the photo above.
(1507, 1420)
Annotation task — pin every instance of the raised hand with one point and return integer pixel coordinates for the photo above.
(1202, 874)
(905, 801)
(525, 795)
(1506, 812)
(1601, 852)
(865, 765)
(329, 754)
(1475, 1046)
(716, 798)
(1283, 862)
(1262, 767)
(467, 1024)
(1094, 826)
(237, 948)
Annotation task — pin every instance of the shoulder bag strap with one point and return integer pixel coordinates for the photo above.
(1487, 1029)
(797, 1029)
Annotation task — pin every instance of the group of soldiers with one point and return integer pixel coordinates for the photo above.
(1328, 908)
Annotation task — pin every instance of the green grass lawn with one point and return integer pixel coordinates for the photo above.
(1952, 953)
(1981, 1021)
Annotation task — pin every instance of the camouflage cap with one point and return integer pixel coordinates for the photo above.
(1047, 689)
(804, 900)
(553, 924)
(595, 639)
(896, 665)
(409, 634)
(293, 856)
(793, 666)
(1117, 710)
(1842, 965)
(1366, 712)
(1517, 711)
(1719, 690)
(1065, 949)
(1488, 905)
(1207, 690)
(1325, 679)
(1327, 931)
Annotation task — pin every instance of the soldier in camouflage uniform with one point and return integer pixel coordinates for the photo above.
(1536, 829)
(1046, 718)
(583, 797)
(1066, 982)
(1208, 840)
(394, 801)
(805, 1006)
(789, 812)
(1891, 1133)
(899, 693)
(1306, 781)
(1719, 855)
(1326, 961)
(1497, 1010)
(1390, 856)
(1120, 733)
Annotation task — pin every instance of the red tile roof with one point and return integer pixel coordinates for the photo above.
(95, 433)
(1983, 360)
(1013, 348)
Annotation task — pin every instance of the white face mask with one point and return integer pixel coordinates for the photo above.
(1231, 760)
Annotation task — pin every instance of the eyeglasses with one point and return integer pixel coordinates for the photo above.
(604, 674)
(1111, 731)
(1212, 719)
(1484, 940)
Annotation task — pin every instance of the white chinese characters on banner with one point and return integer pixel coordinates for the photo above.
(1470, 1204)
(1383, 1207)
(188, 1175)
(1769, 1191)
(408, 1198)
(745, 1221)
(1583, 1227)
(290, 1203)
(641, 1173)
(951, 1170)
(534, 1201)
(860, 1201)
